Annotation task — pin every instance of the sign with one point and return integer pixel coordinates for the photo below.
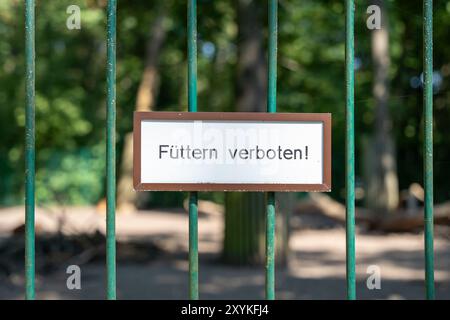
(218, 151)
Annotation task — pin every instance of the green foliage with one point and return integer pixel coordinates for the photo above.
(70, 100)
(74, 178)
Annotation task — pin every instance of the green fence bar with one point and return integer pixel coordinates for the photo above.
(350, 147)
(271, 107)
(30, 152)
(428, 154)
(111, 153)
(192, 105)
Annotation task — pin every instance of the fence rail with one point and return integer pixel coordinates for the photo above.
(428, 140)
(111, 152)
(192, 105)
(30, 149)
(350, 146)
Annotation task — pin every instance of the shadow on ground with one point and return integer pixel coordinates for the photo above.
(316, 268)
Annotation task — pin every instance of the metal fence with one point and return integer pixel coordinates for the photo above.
(30, 150)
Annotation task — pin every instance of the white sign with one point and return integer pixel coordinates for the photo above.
(197, 151)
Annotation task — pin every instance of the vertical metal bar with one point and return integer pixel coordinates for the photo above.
(30, 152)
(111, 152)
(273, 47)
(271, 107)
(428, 154)
(192, 105)
(350, 148)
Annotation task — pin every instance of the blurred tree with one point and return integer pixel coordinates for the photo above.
(381, 162)
(70, 110)
(145, 100)
(245, 213)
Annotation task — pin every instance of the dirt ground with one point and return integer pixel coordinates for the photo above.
(316, 268)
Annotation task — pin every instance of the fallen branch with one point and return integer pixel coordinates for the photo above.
(399, 221)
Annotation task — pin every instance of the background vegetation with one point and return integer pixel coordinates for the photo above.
(71, 90)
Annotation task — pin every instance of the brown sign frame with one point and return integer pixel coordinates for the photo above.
(232, 116)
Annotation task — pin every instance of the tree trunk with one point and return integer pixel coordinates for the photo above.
(127, 198)
(245, 213)
(381, 171)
